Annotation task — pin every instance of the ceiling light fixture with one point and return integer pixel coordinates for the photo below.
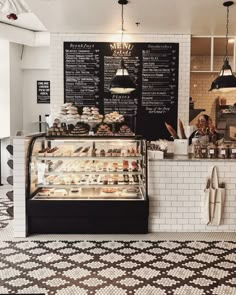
(121, 82)
(226, 81)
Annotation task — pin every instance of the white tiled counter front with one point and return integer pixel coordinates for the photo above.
(176, 192)
(20, 145)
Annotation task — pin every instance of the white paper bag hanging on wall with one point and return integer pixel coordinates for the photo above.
(214, 200)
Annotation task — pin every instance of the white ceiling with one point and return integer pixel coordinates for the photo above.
(197, 17)
(27, 21)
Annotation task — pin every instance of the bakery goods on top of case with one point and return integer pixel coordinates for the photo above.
(114, 117)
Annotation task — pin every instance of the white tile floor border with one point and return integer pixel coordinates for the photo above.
(7, 234)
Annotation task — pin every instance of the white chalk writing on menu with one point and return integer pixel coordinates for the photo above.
(90, 66)
(158, 78)
(82, 66)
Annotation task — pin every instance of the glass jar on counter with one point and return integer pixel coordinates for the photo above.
(232, 151)
(203, 151)
(223, 151)
(200, 150)
(197, 149)
(211, 151)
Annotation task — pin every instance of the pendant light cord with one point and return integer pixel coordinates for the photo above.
(122, 29)
(227, 33)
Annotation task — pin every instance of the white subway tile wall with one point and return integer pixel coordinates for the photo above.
(176, 198)
(56, 57)
(200, 84)
(205, 99)
(19, 188)
(203, 63)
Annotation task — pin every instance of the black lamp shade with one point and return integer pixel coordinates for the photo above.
(226, 81)
(121, 82)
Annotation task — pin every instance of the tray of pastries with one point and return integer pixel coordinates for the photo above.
(124, 130)
(88, 192)
(103, 129)
(91, 115)
(93, 166)
(57, 129)
(114, 117)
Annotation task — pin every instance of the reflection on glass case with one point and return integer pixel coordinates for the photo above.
(109, 173)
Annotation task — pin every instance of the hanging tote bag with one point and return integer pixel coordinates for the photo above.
(214, 200)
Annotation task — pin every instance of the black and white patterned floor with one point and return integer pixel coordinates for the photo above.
(118, 267)
(5, 203)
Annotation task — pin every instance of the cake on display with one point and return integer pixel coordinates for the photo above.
(80, 129)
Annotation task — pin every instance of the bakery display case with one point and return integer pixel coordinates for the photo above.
(87, 185)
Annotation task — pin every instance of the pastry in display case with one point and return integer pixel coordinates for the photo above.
(87, 185)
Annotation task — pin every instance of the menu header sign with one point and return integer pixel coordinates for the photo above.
(43, 91)
(90, 66)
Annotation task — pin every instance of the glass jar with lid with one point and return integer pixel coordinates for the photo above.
(232, 151)
(200, 150)
(197, 149)
(211, 151)
(223, 151)
(203, 151)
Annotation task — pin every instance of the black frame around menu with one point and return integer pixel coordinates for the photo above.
(90, 66)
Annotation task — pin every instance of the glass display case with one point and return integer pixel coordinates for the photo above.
(87, 185)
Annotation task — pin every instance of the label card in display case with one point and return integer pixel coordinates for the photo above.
(90, 66)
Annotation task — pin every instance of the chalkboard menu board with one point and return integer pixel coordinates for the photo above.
(43, 91)
(90, 66)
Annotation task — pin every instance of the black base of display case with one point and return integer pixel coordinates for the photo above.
(88, 217)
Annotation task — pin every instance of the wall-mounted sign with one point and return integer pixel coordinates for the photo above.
(43, 91)
(90, 66)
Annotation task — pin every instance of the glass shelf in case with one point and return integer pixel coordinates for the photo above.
(113, 165)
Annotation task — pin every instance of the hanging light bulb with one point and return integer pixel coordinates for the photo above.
(226, 81)
(121, 82)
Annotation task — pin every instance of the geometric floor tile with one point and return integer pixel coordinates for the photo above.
(118, 267)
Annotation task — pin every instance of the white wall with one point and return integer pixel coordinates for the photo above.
(35, 66)
(56, 59)
(16, 80)
(32, 110)
(4, 103)
(4, 88)
(35, 58)
(20, 68)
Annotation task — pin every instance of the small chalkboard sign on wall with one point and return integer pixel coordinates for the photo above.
(43, 91)
(90, 66)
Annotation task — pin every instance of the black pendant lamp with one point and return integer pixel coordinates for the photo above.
(226, 81)
(121, 82)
